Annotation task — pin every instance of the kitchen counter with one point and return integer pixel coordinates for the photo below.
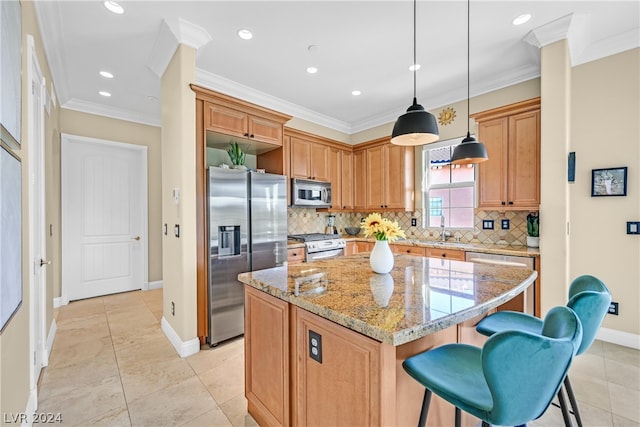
(325, 341)
(513, 250)
(419, 297)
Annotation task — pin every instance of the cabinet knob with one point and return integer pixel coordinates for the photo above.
(511, 203)
(251, 136)
(503, 203)
(444, 255)
(246, 134)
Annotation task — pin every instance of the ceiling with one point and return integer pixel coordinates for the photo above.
(359, 45)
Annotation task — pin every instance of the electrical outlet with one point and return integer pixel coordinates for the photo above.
(613, 308)
(165, 229)
(414, 222)
(173, 308)
(633, 227)
(504, 224)
(487, 224)
(315, 346)
(176, 230)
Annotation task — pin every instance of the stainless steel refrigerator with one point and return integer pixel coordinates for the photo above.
(247, 217)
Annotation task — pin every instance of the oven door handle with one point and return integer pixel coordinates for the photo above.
(326, 254)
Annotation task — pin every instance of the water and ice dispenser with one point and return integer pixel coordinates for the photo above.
(228, 240)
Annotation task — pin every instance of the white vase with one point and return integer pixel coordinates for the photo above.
(381, 288)
(381, 258)
(533, 242)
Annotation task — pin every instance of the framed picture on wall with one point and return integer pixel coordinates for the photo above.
(609, 182)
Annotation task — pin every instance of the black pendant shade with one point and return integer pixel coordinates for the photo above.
(415, 127)
(469, 151)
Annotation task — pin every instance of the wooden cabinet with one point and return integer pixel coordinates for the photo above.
(295, 255)
(453, 254)
(267, 358)
(510, 179)
(234, 122)
(351, 248)
(309, 160)
(359, 180)
(341, 178)
(344, 388)
(364, 246)
(407, 249)
(389, 177)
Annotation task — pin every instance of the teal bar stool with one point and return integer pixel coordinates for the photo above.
(511, 380)
(589, 298)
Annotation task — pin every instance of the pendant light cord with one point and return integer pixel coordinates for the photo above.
(468, 62)
(414, 51)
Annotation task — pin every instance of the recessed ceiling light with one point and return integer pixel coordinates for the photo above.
(312, 70)
(114, 7)
(106, 74)
(522, 19)
(414, 67)
(356, 93)
(104, 93)
(245, 34)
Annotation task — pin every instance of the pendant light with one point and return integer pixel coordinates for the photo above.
(469, 150)
(416, 126)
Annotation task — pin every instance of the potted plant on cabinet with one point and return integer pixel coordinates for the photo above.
(237, 156)
(533, 230)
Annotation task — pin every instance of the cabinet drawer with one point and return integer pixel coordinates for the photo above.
(446, 253)
(295, 255)
(405, 249)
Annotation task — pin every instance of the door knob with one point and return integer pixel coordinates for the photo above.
(43, 262)
(135, 238)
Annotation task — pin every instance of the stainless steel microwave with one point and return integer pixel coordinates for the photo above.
(308, 193)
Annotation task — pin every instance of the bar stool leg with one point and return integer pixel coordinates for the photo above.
(572, 399)
(458, 417)
(565, 411)
(425, 408)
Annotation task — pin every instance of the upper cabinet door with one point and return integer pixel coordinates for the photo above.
(300, 158)
(319, 162)
(510, 179)
(226, 120)
(524, 160)
(265, 130)
(492, 174)
(375, 177)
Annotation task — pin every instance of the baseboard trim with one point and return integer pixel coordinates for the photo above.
(149, 286)
(60, 301)
(618, 337)
(49, 345)
(184, 348)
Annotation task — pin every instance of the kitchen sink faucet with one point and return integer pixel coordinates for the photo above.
(443, 232)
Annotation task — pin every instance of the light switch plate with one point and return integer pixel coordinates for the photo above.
(633, 227)
(487, 224)
(504, 224)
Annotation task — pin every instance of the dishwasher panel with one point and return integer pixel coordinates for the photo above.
(527, 299)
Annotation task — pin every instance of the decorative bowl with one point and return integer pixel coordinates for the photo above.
(352, 231)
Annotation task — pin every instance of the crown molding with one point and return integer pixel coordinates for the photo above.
(610, 46)
(115, 113)
(170, 35)
(231, 88)
(48, 16)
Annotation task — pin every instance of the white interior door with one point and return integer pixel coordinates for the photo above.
(104, 217)
(37, 219)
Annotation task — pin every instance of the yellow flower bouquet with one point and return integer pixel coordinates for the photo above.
(382, 228)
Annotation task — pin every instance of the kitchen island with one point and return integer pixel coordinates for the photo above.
(324, 341)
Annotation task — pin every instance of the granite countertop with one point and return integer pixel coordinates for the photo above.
(513, 250)
(419, 297)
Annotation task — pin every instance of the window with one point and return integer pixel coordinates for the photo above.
(448, 190)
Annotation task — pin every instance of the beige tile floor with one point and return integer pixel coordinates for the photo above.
(111, 365)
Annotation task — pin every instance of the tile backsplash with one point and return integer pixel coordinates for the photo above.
(303, 220)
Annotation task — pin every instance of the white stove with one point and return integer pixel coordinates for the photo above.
(321, 246)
